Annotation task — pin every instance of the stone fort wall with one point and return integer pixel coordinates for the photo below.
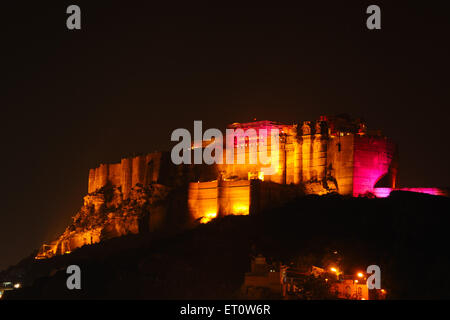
(317, 157)
(143, 170)
(242, 197)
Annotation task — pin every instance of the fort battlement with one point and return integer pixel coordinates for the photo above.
(332, 154)
(129, 172)
(338, 153)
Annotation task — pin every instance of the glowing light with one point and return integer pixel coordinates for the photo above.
(356, 281)
(370, 166)
(360, 275)
(383, 291)
(240, 209)
(385, 192)
(336, 271)
(17, 285)
(208, 217)
(261, 176)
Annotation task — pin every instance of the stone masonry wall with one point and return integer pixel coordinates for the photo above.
(126, 174)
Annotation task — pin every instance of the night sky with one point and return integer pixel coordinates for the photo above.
(136, 71)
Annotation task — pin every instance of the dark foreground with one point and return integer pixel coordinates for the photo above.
(405, 234)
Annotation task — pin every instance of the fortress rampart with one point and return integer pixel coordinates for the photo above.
(329, 155)
(332, 154)
(126, 174)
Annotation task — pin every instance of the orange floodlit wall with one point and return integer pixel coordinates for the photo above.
(340, 162)
(80, 239)
(207, 200)
(234, 197)
(126, 174)
(248, 148)
(203, 200)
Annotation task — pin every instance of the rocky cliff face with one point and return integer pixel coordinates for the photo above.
(106, 214)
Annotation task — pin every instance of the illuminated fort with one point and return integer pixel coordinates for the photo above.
(331, 155)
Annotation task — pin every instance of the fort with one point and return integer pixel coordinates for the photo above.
(149, 192)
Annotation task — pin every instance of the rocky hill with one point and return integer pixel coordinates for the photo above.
(405, 234)
(105, 214)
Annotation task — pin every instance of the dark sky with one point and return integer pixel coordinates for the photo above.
(136, 71)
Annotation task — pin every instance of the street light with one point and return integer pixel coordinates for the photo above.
(336, 271)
